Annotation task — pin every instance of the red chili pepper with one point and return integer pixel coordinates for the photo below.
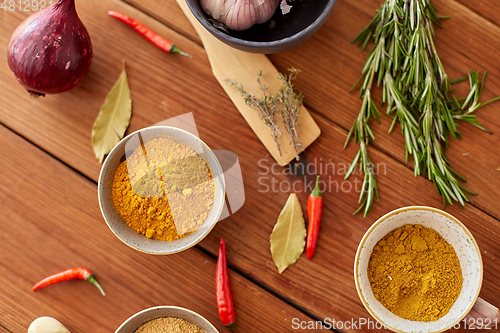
(314, 208)
(223, 290)
(147, 33)
(69, 274)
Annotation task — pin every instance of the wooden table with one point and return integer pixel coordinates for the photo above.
(50, 218)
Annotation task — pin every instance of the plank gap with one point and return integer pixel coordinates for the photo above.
(198, 247)
(475, 13)
(409, 168)
(48, 153)
(312, 111)
(267, 289)
(338, 123)
(163, 22)
(4, 329)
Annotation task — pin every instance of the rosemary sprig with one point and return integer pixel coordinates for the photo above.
(417, 93)
(362, 134)
(285, 104)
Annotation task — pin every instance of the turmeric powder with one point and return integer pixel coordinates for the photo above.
(415, 273)
(163, 190)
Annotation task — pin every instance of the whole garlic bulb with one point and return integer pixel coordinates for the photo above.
(47, 325)
(240, 14)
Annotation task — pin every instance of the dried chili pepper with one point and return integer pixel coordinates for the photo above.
(147, 33)
(223, 290)
(314, 209)
(69, 274)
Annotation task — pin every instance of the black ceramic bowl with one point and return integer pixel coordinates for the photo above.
(281, 33)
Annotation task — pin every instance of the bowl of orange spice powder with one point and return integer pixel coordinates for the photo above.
(161, 190)
(418, 269)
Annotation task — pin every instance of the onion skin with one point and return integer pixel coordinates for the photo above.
(50, 52)
(240, 14)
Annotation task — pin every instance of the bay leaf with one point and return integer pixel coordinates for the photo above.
(113, 119)
(288, 238)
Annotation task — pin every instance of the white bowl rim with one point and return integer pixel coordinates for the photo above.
(416, 208)
(167, 307)
(101, 179)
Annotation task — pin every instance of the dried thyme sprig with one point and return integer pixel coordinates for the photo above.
(288, 103)
(285, 103)
(266, 106)
(418, 95)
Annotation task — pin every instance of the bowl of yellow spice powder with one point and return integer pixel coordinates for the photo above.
(161, 190)
(166, 319)
(418, 269)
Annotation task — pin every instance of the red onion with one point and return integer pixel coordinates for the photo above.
(50, 52)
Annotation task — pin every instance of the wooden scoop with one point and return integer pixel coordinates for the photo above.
(242, 67)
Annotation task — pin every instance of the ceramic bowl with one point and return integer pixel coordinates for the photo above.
(134, 322)
(281, 33)
(455, 233)
(114, 220)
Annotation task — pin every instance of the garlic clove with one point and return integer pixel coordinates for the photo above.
(266, 10)
(214, 8)
(240, 14)
(218, 9)
(482, 315)
(47, 325)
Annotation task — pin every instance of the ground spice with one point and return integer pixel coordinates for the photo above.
(164, 190)
(168, 325)
(415, 273)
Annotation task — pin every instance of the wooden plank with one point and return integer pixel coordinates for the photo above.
(165, 86)
(484, 8)
(55, 121)
(4, 330)
(479, 159)
(338, 74)
(51, 221)
(165, 11)
(325, 285)
(227, 62)
(462, 45)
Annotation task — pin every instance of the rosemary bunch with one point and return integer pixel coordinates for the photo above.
(418, 96)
